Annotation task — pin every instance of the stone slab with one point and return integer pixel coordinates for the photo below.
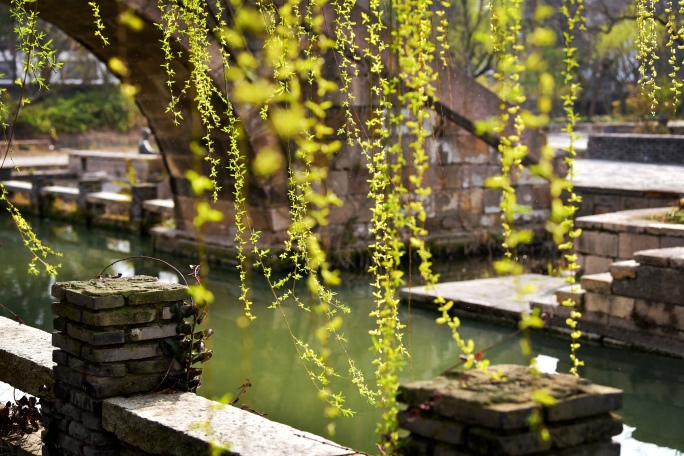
(148, 287)
(433, 427)
(119, 317)
(624, 269)
(501, 296)
(121, 353)
(661, 257)
(597, 283)
(25, 356)
(473, 398)
(161, 424)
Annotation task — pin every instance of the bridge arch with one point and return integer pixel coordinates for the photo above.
(462, 101)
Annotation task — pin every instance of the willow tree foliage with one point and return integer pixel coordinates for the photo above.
(272, 55)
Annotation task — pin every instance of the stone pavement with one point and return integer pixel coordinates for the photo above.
(629, 176)
(36, 161)
(502, 297)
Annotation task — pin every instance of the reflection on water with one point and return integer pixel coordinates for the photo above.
(263, 352)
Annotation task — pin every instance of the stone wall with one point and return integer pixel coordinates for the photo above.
(638, 304)
(636, 148)
(617, 236)
(460, 209)
(470, 413)
(115, 164)
(596, 200)
(108, 337)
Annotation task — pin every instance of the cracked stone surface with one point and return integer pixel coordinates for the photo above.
(185, 424)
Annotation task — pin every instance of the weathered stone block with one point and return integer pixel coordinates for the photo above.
(621, 307)
(60, 357)
(153, 366)
(67, 311)
(119, 317)
(600, 400)
(100, 370)
(95, 337)
(433, 427)
(155, 296)
(597, 283)
(151, 332)
(68, 409)
(67, 344)
(658, 257)
(593, 429)
(596, 264)
(473, 398)
(91, 420)
(68, 443)
(68, 376)
(93, 302)
(124, 353)
(631, 243)
(670, 241)
(595, 302)
(624, 269)
(113, 386)
(565, 293)
(653, 284)
(650, 313)
(598, 243)
(85, 402)
(59, 324)
(491, 199)
(90, 436)
(487, 441)
(108, 288)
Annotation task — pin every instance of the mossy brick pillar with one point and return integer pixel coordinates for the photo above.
(109, 337)
(469, 413)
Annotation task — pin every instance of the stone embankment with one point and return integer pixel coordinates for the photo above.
(108, 357)
(639, 303)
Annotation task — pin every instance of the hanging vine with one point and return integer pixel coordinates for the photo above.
(562, 224)
(38, 56)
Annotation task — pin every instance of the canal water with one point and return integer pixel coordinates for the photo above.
(263, 352)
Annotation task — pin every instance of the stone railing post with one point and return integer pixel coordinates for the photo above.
(38, 182)
(86, 186)
(467, 412)
(109, 336)
(140, 193)
(6, 173)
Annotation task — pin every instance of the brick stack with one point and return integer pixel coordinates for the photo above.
(109, 335)
(468, 413)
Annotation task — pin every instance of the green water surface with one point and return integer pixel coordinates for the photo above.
(263, 352)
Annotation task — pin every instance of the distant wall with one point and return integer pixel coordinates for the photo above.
(636, 148)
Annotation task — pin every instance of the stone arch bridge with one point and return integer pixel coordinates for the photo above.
(460, 206)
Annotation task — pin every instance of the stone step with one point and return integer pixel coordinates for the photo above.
(61, 191)
(17, 186)
(565, 293)
(107, 197)
(158, 206)
(597, 283)
(624, 269)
